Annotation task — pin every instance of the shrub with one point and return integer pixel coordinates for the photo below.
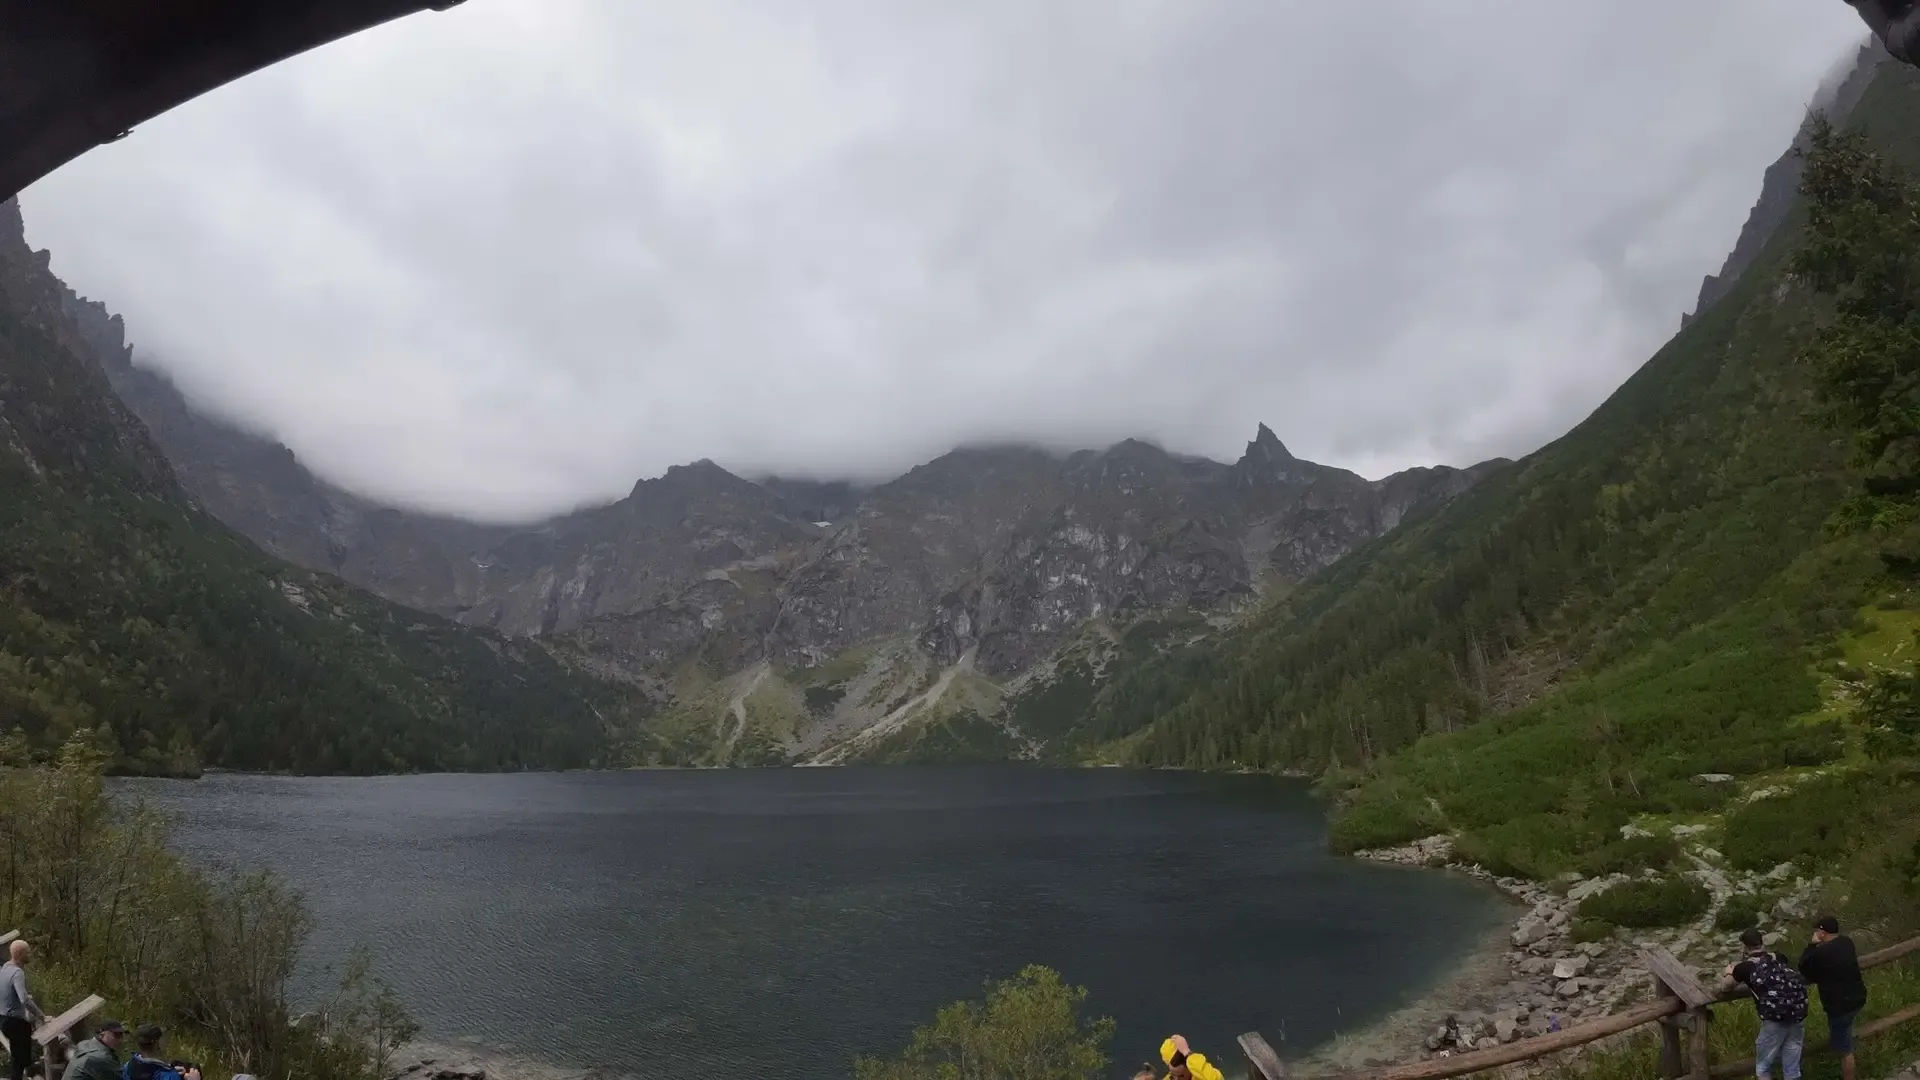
(1689, 797)
(1585, 930)
(1028, 1028)
(1810, 823)
(1667, 901)
(1815, 745)
(207, 957)
(1739, 912)
(1629, 854)
(1382, 817)
(1534, 845)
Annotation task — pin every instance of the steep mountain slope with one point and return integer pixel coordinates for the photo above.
(1837, 100)
(125, 610)
(1575, 641)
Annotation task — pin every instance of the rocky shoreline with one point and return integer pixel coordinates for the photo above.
(470, 1060)
(1532, 977)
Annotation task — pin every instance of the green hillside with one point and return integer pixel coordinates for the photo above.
(1568, 646)
(125, 611)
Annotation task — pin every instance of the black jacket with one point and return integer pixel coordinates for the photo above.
(1834, 967)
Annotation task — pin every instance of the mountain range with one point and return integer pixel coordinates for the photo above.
(1123, 603)
(708, 591)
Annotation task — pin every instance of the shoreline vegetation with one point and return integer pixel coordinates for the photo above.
(111, 909)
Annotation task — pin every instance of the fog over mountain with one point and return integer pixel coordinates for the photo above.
(507, 259)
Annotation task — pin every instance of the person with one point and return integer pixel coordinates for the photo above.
(145, 1063)
(98, 1058)
(1780, 997)
(1184, 1064)
(1831, 963)
(18, 1011)
(1896, 23)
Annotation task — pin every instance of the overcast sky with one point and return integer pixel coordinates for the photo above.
(511, 257)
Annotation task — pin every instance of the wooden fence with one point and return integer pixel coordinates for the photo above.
(1681, 1004)
(71, 1023)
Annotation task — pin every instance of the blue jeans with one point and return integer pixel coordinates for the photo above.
(1782, 1041)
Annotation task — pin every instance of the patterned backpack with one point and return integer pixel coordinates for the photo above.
(1779, 993)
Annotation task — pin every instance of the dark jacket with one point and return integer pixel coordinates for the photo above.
(92, 1060)
(142, 1067)
(1896, 23)
(1834, 967)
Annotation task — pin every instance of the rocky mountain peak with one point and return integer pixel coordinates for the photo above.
(1267, 446)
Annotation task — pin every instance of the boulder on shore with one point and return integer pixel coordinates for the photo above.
(1531, 929)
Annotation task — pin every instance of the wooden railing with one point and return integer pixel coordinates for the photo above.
(1682, 1004)
(72, 1022)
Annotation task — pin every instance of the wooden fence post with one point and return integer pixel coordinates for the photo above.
(1676, 980)
(1262, 1062)
(1702, 1044)
(1672, 1065)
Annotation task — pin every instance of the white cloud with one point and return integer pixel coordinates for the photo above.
(510, 257)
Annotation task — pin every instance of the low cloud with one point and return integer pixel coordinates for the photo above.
(508, 258)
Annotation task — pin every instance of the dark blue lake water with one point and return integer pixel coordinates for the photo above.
(778, 922)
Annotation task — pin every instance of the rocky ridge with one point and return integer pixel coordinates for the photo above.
(755, 608)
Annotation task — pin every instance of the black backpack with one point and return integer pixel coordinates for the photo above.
(1779, 993)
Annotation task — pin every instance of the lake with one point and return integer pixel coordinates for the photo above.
(778, 922)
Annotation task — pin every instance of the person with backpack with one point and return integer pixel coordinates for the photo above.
(1832, 964)
(1780, 997)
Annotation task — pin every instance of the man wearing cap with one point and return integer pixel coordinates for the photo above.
(98, 1058)
(18, 1011)
(146, 1063)
(1831, 963)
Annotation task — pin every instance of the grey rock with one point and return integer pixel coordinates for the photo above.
(1506, 1029)
(1569, 988)
(1714, 778)
(1558, 919)
(1681, 832)
(1530, 931)
(1572, 967)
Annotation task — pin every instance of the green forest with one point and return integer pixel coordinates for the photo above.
(128, 613)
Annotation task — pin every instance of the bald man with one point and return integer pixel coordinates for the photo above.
(1896, 23)
(18, 1011)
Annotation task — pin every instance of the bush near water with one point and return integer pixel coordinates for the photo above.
(110, 910)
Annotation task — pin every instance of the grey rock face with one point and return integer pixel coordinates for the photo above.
(998, 550)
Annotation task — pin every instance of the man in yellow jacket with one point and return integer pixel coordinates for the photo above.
(1182, 1063)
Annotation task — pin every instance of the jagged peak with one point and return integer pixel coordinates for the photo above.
(1269, 445)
